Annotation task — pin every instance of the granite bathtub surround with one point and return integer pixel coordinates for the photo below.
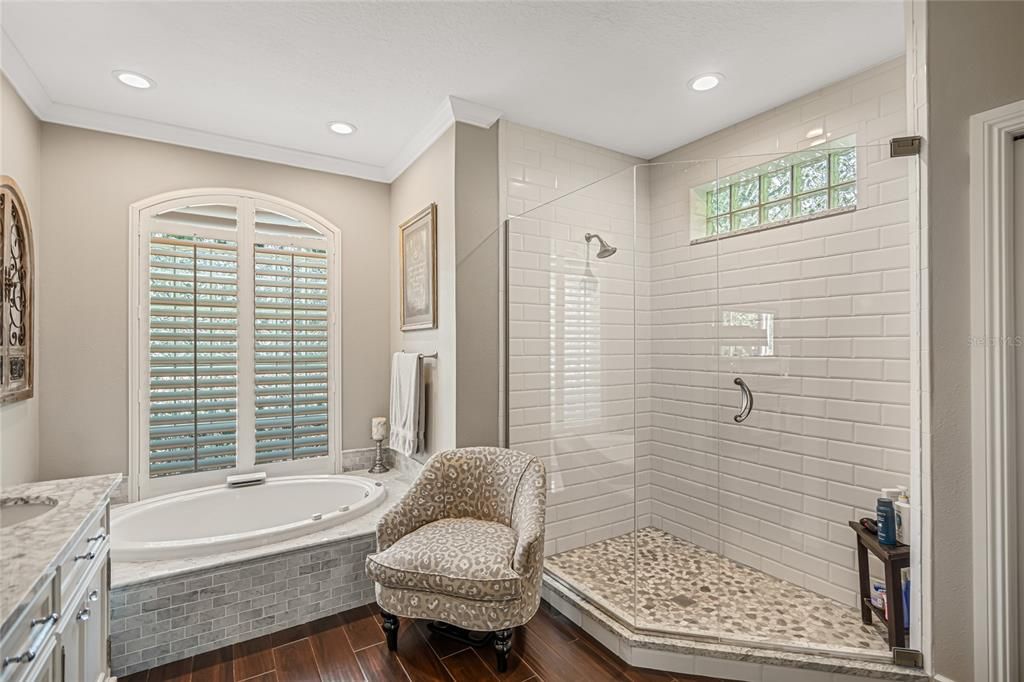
(681, 588)
(679, 654)
(167, 610)
(34, 548)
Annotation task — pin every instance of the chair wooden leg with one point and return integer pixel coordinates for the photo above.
(502, 645)
(390, 627)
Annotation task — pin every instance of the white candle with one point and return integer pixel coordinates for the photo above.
(379, 428)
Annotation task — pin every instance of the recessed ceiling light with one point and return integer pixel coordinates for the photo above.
(814, 132)
(342, 128)
(706, 81)
(134, 80)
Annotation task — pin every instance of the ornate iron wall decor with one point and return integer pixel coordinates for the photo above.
(16, 294)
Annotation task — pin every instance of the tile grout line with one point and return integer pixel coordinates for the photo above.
(479, 657)
(316, 663)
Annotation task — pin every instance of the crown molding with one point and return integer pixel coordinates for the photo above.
(451, 111)
(472, 113)
(31, 90)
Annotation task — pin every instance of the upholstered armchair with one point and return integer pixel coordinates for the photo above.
(465, 546)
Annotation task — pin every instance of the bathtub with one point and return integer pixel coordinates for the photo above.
(220, 519)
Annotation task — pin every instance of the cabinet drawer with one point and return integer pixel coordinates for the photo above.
(87, 552)
(30, 635)
(45, 667)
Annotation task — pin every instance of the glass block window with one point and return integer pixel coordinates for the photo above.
(799, 186)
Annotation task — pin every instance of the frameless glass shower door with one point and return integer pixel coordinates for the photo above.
(816, 278)
(718, 362)
(571, 307)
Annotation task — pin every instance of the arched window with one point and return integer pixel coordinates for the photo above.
(237, 341)
(17, 295)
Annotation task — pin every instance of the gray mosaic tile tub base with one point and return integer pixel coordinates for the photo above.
(168, 619)
(687, 590)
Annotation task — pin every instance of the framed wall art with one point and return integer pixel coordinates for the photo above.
(17, 295)
(417, 239)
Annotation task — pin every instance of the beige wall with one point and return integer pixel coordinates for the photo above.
(974, 53)
(20, 142)
(476, 291)
(431, 178)
(91, 178)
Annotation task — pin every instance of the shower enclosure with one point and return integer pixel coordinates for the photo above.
(717, 362)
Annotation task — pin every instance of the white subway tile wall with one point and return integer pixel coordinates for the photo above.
(621, 370)
(815, 317)
(571, 323)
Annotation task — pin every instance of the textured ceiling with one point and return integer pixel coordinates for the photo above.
(275, 73)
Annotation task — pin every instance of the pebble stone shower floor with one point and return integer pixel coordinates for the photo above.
(684, 589)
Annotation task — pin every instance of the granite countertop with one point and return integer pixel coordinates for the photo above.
(32, 549)
(396, 482)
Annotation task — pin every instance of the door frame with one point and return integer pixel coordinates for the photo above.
(993, 400)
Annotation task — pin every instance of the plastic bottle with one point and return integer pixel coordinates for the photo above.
(885, 513)
(902, 507)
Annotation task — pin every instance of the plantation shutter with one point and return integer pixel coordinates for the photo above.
(291, 349)
(193, 353)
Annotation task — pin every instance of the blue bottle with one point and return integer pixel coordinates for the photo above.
(906, 604)
(886, 519)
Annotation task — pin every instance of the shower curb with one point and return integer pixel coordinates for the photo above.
(696, 657)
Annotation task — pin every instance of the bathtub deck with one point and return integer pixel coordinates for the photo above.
(350, 646)
(126, 573)
(206, 603)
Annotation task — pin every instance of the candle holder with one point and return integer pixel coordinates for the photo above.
(378, 462)
(378, 432)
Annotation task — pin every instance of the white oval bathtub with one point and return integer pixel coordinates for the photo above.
(220, 519)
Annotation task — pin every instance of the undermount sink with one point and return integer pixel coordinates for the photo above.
(15, 510)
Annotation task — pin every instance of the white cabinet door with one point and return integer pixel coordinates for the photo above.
(93, 621)
(83, 635)
(69, 642)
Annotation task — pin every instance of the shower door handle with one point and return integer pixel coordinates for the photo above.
(748, 401)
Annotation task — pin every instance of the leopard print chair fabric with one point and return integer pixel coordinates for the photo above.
(465, 545)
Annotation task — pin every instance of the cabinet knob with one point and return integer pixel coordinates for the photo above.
(83, 614)
(94, 595)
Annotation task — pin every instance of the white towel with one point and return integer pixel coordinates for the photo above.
(406, 411)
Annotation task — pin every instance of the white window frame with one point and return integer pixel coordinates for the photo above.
(141, 225)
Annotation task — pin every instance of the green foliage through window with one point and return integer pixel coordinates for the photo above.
(797, 186)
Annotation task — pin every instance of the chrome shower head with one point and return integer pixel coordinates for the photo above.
(605, 250)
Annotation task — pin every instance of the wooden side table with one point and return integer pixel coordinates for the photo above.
(894, 559)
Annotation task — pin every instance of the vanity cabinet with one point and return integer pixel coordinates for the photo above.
(82, 635)
(29, 646)
(62, 635)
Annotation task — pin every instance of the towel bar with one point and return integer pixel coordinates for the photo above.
(427, 355)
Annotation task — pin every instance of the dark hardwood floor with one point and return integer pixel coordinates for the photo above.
(349, 647)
